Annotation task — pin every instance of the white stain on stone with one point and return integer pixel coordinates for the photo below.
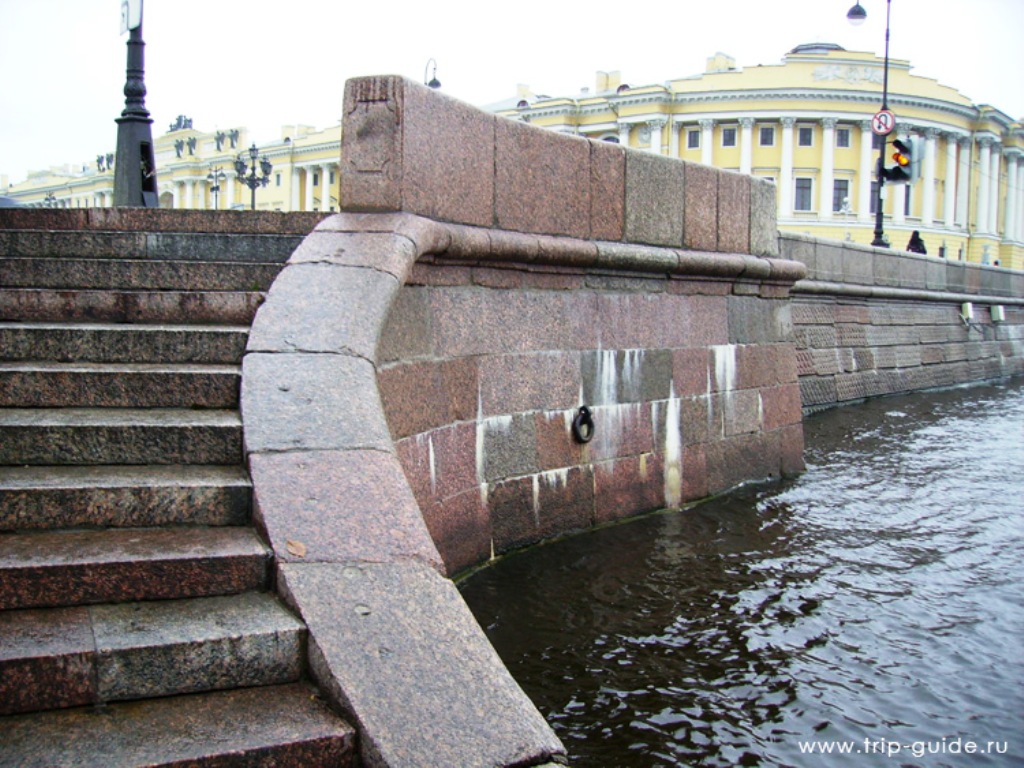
(431, 458)
(673, 451)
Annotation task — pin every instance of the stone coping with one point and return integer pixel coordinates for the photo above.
(852, 265)
(390, 638)
(160, 220)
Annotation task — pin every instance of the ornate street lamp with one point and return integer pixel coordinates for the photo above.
(252, 181)
(215, 177)
(856, 16)
(433, 82)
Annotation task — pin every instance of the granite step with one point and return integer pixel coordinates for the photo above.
(43, 305)
(269, 726)
(137, 274)
(64, 568)
(112, 342)
(64, 657)
(84, 436)
(34, 384)
(49, 498)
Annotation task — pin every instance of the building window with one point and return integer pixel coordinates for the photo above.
(906, 200)
(316, 179)
(767, 134)
(841, 196)
(805, 136)
(332, 177)
(277, 179)
(693, 139)
(802, 202)
(728, 137)
(843, 138)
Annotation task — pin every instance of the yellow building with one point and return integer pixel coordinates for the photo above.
(806, 124)
(196, 169)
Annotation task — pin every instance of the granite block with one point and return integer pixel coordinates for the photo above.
(50, 569)
(448, 156)
(534, 381)
(542, 181)
(636, 375)
(627, 487)
(162, 648)
(388, 253)
(690, 371)
(781, 406)
(515, 520)
(700, 208)
(655, 191)
(620, 430)
(371, 145)
(764, 230)
(414, 397)
(312, 402)
(556, 447)
(461, 529)
(733, 212)
(607, 190)
(395, 644)
(563, 501)
(507, 447)
(695, 473)
(272, 725)
(407, 331)
(758, 321)
(350, 505)
(324, 308)
(46, 660)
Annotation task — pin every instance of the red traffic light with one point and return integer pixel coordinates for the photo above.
(902, 154)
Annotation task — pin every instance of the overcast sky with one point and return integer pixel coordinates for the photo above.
(258, 64)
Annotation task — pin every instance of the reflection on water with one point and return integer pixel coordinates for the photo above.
(874, 604)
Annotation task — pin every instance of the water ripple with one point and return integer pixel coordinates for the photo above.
(877, 597)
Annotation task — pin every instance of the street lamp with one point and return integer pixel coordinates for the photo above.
(856, 16)
(252, 181)
(433, 82)
(215, 177)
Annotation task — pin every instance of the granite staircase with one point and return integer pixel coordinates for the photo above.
(138, 625)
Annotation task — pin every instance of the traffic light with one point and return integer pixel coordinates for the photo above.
(907, 158)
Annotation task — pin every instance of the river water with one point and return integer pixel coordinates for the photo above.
(869, 612)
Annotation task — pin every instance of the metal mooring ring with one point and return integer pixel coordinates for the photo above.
(583, 425)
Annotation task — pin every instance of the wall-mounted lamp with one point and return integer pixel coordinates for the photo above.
(967, 312)
(998, 313)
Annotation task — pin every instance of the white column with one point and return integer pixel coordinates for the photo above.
(963, 183)
(786, 170)
(309, 189)
(229, 201)
(294, 205)
(899, 202)
(993, 198)
(189, 190)
(828, 150)
(707, 141)
(673, 150)
(984, 163)
(949, 190)
(325, 187)
(866, 174)
(1020, 203)
(746, 145)
(624, 134)
(1010, 226)
(200, 193)
(928, 178)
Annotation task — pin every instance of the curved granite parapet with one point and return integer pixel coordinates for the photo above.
(389, 636)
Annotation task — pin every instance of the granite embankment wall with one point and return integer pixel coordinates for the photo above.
(873, 321)
(411, 381)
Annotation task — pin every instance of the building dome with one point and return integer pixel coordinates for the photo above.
(817, 48)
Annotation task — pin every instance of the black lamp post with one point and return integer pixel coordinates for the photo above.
(252, 181)
(856, 16)
(433, 82)
(135, 171)
(215, 177)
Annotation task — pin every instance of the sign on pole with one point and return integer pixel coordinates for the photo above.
(883, 123)
(131, 15)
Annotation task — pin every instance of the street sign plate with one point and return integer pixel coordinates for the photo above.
(131, 14)
(883, 123)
